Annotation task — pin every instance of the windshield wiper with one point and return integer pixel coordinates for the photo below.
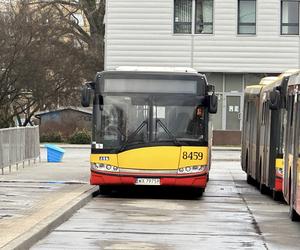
(168, 132)
(133, 134)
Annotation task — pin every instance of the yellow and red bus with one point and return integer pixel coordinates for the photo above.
(291, 182)
(251, 131)
(151, 126)
(263, 132)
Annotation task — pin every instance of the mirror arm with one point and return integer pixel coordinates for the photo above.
(91, 85)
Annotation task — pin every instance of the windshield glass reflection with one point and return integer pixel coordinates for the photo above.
(148, 119)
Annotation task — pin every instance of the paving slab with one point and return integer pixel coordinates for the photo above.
(37, 198)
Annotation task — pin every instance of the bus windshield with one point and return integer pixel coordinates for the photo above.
(137, 120)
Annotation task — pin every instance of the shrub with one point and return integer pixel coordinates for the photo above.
(80, 137)
(51, 137)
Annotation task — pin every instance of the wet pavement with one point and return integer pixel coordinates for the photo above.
(27, 195)
(230, 215)
(21, 190)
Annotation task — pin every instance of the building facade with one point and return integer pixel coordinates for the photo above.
(234, 42)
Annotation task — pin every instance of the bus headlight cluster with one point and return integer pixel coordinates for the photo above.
(104, 167)
(279, 171)
(192, 169)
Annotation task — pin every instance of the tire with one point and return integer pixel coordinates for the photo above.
(105, 190)
(250, 179)
(277, 195)
(198, 192)
(293, 214)
(263, 189)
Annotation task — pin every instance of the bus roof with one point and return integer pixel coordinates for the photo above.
(294, 78)
(253, 89)
(289, 72)
(268, 80)
(279, 80)
(157, 69)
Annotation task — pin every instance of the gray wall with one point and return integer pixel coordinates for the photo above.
(140, 33)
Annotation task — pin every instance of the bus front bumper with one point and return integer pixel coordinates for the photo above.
(191, 180)
(278, 184)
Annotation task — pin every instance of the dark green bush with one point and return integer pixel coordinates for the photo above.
(80, 137)
(51, 137)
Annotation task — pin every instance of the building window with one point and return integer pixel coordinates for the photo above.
(201, 10)
(289, 17)
(247, 17)
(204, 17)
(183, 16)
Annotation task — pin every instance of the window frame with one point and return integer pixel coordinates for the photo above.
(174, 15)
(240, 24)
(193, 20)
(204, 23)
(287, 24)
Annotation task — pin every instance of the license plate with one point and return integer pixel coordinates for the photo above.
(147, 181)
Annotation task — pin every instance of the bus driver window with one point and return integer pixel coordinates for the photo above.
(196, 124)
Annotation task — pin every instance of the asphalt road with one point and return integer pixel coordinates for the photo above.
(230, 215)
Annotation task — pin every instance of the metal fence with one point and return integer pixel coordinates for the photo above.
(18, 145)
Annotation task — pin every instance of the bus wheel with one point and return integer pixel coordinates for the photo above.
(263, 189)
(250, 179)
(198, 192)
(293, 214)
(105, 190)
(277, 195)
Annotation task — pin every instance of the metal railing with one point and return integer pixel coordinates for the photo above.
(18, 145)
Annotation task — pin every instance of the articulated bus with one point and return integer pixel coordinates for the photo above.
(263, 131)
(291, 182)
(270, 158)
(150, 127)
(251, 130)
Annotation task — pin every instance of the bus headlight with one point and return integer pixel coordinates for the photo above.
(104, 167)
(279, 171)
(192, 169)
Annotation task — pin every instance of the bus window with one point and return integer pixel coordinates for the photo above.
(196, 124)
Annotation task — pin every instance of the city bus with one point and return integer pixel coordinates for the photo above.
(251, 130)
(151, 126)
(291, 181)
(270, 159)
(262, 134)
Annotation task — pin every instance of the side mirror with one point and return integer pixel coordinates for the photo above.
(213, 104)
(274, 101)
(86, 94)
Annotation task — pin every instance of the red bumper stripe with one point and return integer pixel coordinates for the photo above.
(172, 180)
(278, 183)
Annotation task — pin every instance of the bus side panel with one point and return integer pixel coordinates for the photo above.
(274, 177)
(296, 163)
(263, 142)
(288, 149)
(245, 128)
(297, 202)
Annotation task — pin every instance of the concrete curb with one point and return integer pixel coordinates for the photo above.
(42, 229)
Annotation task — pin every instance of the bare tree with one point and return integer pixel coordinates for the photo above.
(43, 64)
(93, 36)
